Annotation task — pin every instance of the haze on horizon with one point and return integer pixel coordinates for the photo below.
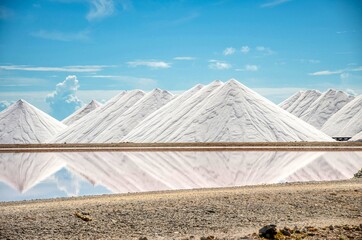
(60, 54)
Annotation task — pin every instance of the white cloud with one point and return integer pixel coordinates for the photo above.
(219, 65)
(326, 72)
(64, 101)
(251, 68)
(248, 68)
(341, 71)
(274, 3)
(265, 50)
(100, 9)
(184, 58)
(245, 49)
(150, 64)
(83, 68)
(344, 76)
(313, 61)
(229, 51)
(351, 92)
(62, 36)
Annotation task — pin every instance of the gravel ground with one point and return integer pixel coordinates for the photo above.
(319, 210)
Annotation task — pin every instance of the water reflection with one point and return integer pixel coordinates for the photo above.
(44, 175)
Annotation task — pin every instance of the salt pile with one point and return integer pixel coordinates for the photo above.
(357, 137)
(81, 112)
(347, 122)
(129, 119)
(300, 102)
(23, 123)
(325, 106)
(228, 112)
(90, 126)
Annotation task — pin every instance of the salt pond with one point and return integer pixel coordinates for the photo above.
(61, 174)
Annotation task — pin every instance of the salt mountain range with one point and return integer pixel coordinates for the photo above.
(218, 112)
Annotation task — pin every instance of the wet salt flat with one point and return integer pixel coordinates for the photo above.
(61, 174)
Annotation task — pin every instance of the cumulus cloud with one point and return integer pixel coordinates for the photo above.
(229, 51)
(64, 101)
(100, 9)
(4, 104)
(219, 65)
(245, 49)
(150, 64)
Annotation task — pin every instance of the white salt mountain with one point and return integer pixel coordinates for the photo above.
(300, 102)
(228, 112)
(324, 107)
(357, 137)
(81, 112)
(347, 122)
(129, 119)
(165, 121)
(23, 123)
(91, 125)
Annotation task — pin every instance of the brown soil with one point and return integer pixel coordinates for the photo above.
(227, 213)
(237, 146)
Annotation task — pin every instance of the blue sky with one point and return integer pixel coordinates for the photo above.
(275, 47)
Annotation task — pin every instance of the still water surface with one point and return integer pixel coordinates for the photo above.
(50, 175)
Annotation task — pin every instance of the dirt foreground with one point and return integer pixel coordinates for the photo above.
(320, 210)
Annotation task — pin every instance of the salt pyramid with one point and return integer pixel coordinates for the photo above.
(357, 137)
(300, 102)
(91, 125)
(325, 106)
(81, 112)
(228, 112)
(129, 119)
(23, 123)
(347, 122)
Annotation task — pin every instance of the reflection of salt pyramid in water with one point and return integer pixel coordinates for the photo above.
(149, 171)
(228, 112)
(22, 171)
(331, 165)
(81, 112)
(24, 123)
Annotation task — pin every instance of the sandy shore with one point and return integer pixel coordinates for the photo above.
(227, 213)
(223, 146)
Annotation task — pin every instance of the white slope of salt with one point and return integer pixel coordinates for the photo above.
(134, 115)
(329, 166)
(357, 137)
(81, 112)
(164, 121)
(347, 122)
(325, 106)
(23, 123)
(300, 102)
(22, 171)
(231, 113)
(154, 171)
(86, 129)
